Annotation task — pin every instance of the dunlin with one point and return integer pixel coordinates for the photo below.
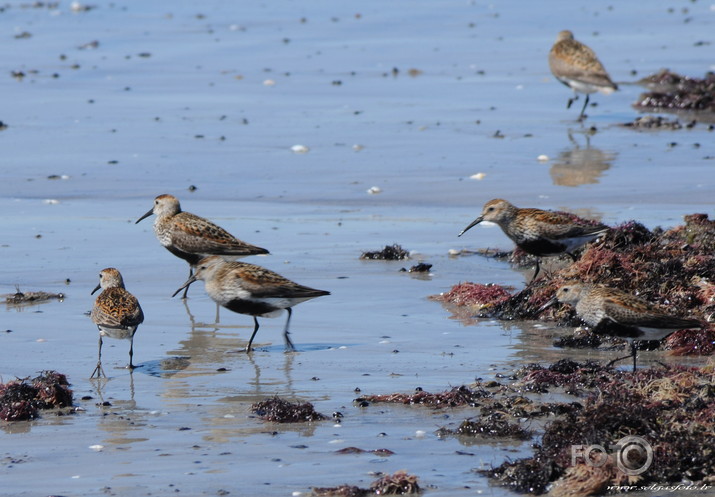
(116, 313)
(191, 237)
(250, 289)
(538, 232)
(576, 66)
(621, 314)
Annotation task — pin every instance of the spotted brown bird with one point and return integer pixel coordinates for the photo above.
(538, 232)
(191, 237)
(116, 313)
(621, 314)
(576, 66)
(251, 289)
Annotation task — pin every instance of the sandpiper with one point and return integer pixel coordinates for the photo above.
(191, 237)
(250, 289)
(116, 313)
(621, 314)
(576, 66)
(538, 232)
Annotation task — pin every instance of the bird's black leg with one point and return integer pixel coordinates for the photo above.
(131, 353)
(573, 257)
(571, 101)
(255, 330)
(537, 270)
(99, 370)
(286, 333)
(634, 349)
(582, 116)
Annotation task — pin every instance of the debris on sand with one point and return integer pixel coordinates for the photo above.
(656, 123)
(674, 268)
(392, 252)
(492, 426)
(23, 298)
(21, 400)
(278, 410)
(665, 411)
(474, 295)
(357, 450)
(671, 91)
(457, 396)
(398, 483)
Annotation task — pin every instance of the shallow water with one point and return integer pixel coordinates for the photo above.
(176, 95)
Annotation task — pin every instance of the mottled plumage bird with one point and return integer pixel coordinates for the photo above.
(250, 289)
(191, 237)
(538, 232)
(576, 66)
(116, 313)
(621, 314)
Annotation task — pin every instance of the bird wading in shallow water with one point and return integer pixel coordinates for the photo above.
(615, 312)
(191, 237)
(538, 232)
(116, 313)
(576, 66)
(252, 290)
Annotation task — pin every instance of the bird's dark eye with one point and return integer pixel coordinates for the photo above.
(490, 209)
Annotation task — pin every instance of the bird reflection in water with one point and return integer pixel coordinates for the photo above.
(580, 165)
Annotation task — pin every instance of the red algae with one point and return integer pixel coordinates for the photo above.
(474, 294)
(22, 400)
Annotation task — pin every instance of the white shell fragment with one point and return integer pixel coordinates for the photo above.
(300, 149)
(542, 158)
(478, 176)
(374, 190)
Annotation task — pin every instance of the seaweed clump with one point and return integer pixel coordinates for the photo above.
(278, 410)
(671, 411)
(392, 252)
(493, 426)
(21, 400)
(457, 396)
(671, 91)
(28, 298)
(398, 483)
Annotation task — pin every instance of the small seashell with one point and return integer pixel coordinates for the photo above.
(97, 447)
(357, 147)
(300, 149)
(542, 158)
(478, 176)
(374, 190)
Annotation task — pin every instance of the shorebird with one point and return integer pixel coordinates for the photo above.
(538, 232)
(621, 314)
(116, 313)
(191, 237)
(576, 66)
(252, 290)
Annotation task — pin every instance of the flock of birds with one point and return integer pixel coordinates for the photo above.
(237, 286)
(609, 310)
(258, 292)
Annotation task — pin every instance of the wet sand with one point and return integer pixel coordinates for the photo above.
(215, 96)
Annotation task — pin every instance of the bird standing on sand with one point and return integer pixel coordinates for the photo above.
(576, 66)
(191, 237)
(621, 314)
(116, 313)
(250, 289)
(538, 232)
